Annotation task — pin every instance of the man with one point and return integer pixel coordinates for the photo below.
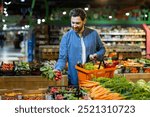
(80, 44)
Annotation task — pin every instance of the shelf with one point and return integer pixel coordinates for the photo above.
(41, 36)
(54, 36)
(124, 40)
(113, 33)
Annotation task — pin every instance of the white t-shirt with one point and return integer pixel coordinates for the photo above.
(83, 51)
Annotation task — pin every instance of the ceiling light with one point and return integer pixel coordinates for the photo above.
(22, 28)
(3, 20)
(5, 9)
(86, 8)
(27, 26)
(64, 13)
(22, 0)
(127, 14)
(110, 17)
(38, 21)
(7, 3)
(145, 15)
(43, 20)
(6, 15)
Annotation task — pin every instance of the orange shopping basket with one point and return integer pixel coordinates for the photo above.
(84, 74)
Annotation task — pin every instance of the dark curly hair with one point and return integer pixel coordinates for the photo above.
(78, 12)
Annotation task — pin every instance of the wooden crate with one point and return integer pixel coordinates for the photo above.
(29, 82)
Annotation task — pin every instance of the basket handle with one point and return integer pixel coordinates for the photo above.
(102, 61)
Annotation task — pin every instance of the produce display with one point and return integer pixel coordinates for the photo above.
(51, 93)
(139, 90)
(97, 92)
(22, 68)
(99, 86)
(7, 68)
(48, 71)
(30, 68)
(67, 93)
(134, 66)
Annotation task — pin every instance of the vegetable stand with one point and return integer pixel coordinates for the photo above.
(30, 82)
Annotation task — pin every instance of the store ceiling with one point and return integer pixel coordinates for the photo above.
(16, 7)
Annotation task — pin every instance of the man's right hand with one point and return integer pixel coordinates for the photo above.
(93, 56)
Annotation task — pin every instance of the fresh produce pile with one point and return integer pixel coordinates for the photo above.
(97, 92)
(35, 68)
(22, 68)
(139, 90)
(31, 68)
(95, 66)
(66, 93)
(134, 66)
(48, 71)
(7, 68)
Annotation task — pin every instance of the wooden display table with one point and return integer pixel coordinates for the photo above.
(137, 76)
(30, 82)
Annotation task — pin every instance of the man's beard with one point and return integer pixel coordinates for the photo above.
(77, 29)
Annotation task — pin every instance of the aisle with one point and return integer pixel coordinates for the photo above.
(9, 53)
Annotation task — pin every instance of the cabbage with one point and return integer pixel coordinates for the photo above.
(148, 83)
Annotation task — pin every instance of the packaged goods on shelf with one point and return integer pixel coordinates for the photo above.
(49, 52)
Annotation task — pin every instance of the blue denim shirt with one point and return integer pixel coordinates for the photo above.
(71, 51)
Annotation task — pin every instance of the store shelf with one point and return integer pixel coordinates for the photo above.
(124, 40)
(114, 33)
(54, 34)
(123, 35)
(41, 38)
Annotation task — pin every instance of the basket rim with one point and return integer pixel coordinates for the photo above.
(91, 71)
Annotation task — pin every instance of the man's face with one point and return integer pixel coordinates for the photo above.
(77, 24)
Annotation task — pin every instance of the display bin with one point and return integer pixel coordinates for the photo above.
(22, 72)
(7, 69)
(84, 74)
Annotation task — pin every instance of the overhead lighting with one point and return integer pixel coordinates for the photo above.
(3, 20)
(22, 0)
(110, 17)
(7, 3)
(145, 15)
(6, 14)
(4, 26)
(64, 13)
(86, 8)
(43, 20)
(26, 26)
(5, 9)
(22, 27)
(38, 21)
(127, 14)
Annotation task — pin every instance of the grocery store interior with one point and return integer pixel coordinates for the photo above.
(31, 31)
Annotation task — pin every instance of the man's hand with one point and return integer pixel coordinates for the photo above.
(58, 74)
(55, 70)
(93, 56)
